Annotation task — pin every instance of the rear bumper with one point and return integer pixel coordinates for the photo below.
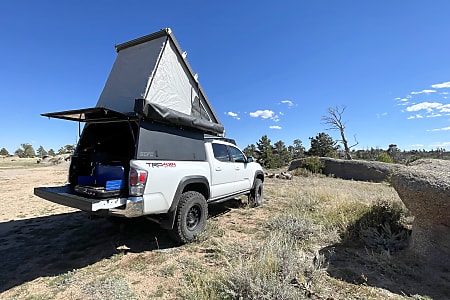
(65, 195)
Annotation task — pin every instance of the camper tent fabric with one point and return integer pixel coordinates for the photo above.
(129, 75)
(170, 86)
(153, 68)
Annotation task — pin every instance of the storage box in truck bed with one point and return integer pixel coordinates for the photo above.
(107, 181)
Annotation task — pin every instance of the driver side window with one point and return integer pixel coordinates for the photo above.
(237, 155)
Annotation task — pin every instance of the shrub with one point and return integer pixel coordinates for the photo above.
(275, 271)
(313, 164)
(381, 228)
(301, 172)
(384, 157)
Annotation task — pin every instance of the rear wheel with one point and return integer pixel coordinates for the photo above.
(191, 217)
(255, 197)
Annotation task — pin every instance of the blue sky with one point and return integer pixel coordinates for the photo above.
(267, 67)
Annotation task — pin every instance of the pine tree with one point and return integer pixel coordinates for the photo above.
(282, 155)
(265, 153)
(26, 151)
(322, 145)
(297, 150)
(4, 152)
(41, 152)
(250, 151)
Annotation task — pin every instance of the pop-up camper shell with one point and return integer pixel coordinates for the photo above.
(152, 79)
(152, 107)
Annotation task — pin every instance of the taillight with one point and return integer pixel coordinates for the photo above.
(137, 179)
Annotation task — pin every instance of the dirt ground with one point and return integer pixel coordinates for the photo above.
(49, 251)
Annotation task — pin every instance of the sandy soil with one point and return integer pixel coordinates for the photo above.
(16, 191)
(40, 240)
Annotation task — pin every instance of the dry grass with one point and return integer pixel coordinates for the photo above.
(301, 244)
(18, 163)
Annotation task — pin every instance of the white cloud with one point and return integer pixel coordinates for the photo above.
(441, 85)
(440, 144)
(402, 101)
(415, 117)
(275, 127)
(288, 102)
(233, 115)
(428, 106)
(265, 114)
(434, 115)
(382, 115)
(441, 129)
(445, 108)
(423, 92)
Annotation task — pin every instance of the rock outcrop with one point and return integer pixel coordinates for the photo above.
(424, 188)
(354, 169)
(55, 160)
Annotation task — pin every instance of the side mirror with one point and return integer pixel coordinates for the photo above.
(249, 159)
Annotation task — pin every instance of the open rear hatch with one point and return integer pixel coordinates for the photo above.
(103, 187)
(92, 114)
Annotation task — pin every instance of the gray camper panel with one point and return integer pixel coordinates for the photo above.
(154, 69)
(161, 142)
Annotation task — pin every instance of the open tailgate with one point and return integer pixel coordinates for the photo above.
(66, 195)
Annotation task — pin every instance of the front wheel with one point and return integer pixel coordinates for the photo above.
(255, 197)
(191, 217)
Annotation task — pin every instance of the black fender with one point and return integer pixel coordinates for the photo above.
(258, 175)
(199, 184)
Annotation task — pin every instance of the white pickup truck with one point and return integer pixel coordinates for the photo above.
(127, 166)
(143, 150)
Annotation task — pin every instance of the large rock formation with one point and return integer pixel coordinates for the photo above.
(424, 187)
(354, 169)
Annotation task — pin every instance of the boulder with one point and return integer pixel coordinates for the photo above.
(361, 170)
(55, 160)
(424, 188)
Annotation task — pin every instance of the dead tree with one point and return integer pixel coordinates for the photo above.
(334, 121)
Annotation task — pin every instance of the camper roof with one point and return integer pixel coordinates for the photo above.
(154, 68)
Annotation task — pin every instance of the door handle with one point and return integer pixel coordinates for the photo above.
(218, 169)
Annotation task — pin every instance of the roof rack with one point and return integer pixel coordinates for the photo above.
(212, 137)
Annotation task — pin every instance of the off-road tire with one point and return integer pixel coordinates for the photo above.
(192, 212)
(255, 198)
